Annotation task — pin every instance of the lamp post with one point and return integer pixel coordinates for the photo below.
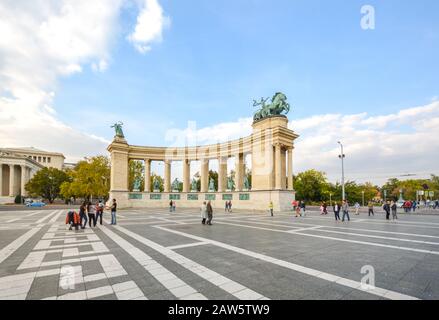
(330, 199)
(342, 156)
(362, 194)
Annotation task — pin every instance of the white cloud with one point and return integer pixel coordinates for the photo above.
(41, 41)
(376, 147)
(150, 24)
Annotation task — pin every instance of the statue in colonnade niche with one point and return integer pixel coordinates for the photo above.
(156, 184)
(136, 185)
(194, 185)
(175, 184)
(230, 183)
(246, 183)
(211, 185)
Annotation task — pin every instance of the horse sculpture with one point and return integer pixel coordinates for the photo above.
(278, 105)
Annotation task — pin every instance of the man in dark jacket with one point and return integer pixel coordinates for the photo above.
(336, 209)
(386, 208)
(209, 213)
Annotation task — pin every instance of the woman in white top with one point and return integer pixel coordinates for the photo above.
(203, 210)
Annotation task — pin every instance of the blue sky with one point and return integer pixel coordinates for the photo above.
(214, 57)
(218, 55)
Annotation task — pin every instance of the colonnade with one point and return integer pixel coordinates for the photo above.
(270, 146)
(13, 179)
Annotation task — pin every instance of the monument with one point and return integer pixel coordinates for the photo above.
(270, 146)
(194, 187)
(211, 185)
(175, 185)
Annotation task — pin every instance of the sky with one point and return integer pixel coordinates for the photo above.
(167, 69)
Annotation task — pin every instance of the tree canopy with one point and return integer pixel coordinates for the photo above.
(89, 178)
(46, 183)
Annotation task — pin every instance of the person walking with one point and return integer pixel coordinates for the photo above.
(394, 209)
(270, 207)
(174, 206)
(203, 211)
(230, 206)
(83, 215)
(336, 209)
(303, 209)
(99, 211)
(370, 207)
(357, 208)
(113, 212)
(345, 208)
(226, 206)
(386, 208)
(414, 206)
(321, 209)
(209, 213)
(170, 206)
(91, 211)
(298, 206)
(325, 208)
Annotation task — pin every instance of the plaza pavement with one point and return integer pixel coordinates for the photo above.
(154, 254)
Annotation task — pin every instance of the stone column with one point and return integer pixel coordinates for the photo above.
(239, 167)
(222, 174)
(290, 169)
(278, 167)
(186, 174)
(204, 175)
(11, 180)
(119, 171)
(1, 179)
(147, 175)
(23, 179)
(167, 186)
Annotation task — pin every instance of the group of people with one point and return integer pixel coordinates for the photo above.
(388, 207)
(299, 208)
(91, 213)
(344, 207)
(172, 206)
(409, 206)
(391, 206)
(206, 213)
(228, 206)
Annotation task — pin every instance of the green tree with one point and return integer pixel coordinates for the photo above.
(46, 183)
(310, 185)
(90, 178)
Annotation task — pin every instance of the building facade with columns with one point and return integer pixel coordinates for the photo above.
(15, 171)
(44, 158)
(271, 146)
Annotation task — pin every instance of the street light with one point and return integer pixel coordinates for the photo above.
(342, 156)
(362, 193)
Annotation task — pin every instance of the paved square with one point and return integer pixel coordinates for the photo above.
(154, 254)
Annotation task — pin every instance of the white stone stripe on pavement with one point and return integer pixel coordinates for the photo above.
(180, 246)
(293, 223)
(228, 285)
(295, 232)
(17, 243)
(312, 272)
(175, 285)
(26, 216)
(367, 236)
(47, 216)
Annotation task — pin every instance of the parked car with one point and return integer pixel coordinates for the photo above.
(35, 204)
